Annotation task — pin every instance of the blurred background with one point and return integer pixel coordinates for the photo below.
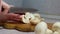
(49, 9)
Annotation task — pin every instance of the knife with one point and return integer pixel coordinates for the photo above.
(19, 10)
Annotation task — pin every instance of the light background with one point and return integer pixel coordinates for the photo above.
(49, 9)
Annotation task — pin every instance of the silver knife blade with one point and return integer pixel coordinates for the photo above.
(18, 10)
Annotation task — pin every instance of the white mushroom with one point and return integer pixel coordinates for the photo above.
(56, 32)
(41, 28)
(29, 15)
(37, 15)
(26, 18)
(35, 21)
(31, 18)
(56, 26)
(49, 31)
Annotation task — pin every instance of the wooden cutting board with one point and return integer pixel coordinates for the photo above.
(23, 27)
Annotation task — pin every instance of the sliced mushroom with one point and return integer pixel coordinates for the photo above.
(26, 18)
(35, 21)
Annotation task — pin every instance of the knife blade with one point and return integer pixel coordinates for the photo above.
(19, 10)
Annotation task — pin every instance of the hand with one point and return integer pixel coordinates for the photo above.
(10, 16)
(15, 17)
(6, 7)
(4, 15)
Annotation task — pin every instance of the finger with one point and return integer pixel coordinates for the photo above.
(12, 15)
(16, 17)
(6, 7)
(0, 6)
(5, 11)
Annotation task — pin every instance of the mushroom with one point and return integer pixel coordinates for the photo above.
(26, 18)
(37, 15)
(56, 32)
(49, 31)
(37, 19)
(41, 28)
(31, 18)
(56, 27)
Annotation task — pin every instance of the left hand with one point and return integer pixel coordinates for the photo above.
(4, 15)
(6, 7)
(15, 17)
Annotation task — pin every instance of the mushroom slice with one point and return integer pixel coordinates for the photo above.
(35, 21)
(26, 18)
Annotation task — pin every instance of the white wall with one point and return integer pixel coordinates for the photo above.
(17, 3)
(48, 8)
(45, 6)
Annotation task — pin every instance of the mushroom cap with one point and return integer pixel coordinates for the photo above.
(56, 26)
(49, 31)
(27, 17)
(37, 15)
(35, 21)
(56, 32)
(41, 27)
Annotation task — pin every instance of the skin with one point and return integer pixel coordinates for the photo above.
(4, 15)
